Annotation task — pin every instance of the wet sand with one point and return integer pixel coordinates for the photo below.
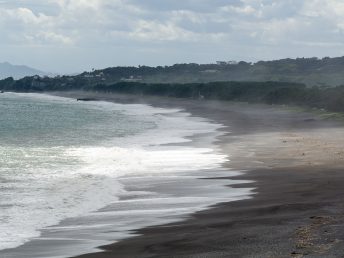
(296, 160)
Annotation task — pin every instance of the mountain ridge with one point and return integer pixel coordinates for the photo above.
(18, 71)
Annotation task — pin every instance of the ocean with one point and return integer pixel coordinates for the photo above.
(76, 175)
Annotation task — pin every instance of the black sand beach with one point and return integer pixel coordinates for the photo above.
(296, 162)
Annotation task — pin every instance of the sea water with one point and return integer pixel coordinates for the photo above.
(66, 160)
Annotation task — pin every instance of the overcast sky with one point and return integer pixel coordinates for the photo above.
(74, 35)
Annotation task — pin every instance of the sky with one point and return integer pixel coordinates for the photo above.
(69, 36)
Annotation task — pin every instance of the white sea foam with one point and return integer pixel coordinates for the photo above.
(59, 182)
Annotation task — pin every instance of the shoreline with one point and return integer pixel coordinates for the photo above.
(297, 210)
(148, 200)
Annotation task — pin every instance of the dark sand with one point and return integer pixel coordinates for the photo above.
(296, 160)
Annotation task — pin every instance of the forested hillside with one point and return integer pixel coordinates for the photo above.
(308, 82)
(310, 71)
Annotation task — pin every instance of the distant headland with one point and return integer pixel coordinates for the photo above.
(309, 82)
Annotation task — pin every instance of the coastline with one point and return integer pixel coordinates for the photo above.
(296, 165)
(171, 188)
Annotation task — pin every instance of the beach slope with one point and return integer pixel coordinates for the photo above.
(296, 162)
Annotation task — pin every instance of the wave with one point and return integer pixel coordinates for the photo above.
(41, 186)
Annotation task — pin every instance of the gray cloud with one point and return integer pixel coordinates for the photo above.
(202, 6)
(73, 35)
